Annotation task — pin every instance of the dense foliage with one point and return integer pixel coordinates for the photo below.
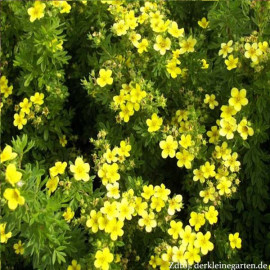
(134, 133)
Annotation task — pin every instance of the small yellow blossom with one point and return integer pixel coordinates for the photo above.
(238, 98)
(235, 241)
(226, 48)
(80, 169)
(104, 77)
(203, 23)
(103, 258)
(19, 120)
(14, 198)
(154, 123)
(12, 175)
(231, 62)
(162, 44)
(18, 247)
(52, 184)
(3, 235)
(211, 215)
(37, 11)
(7, 154)
(37, 98)
(211, 100)
(187, 45)
(68, 214)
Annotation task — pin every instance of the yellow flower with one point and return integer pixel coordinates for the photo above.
(140, 206)
(12, 175)
(148, 192)
(169, 146)
(110, 155)
(162, 44)
(120, 28)
(175, 229)
(74, 266)
(104, 77)
(244, 129)
(252, 51)
(124, 149)
(52, 184)
(153, 261)
(157, 204)
(232, 162)
(172, 68)
(208, 170)
(4, 236)
(148, 221)
(187, 45)
(203, 23)
(211, 215)
(14, 198)
(110, 210)
(235, 241)
(154, 123)
(109, 173)
(134, 38)
(63, 140)
(198, 175)
(126, 111)
(136, 94)
(25, 106)
(3, 81)
(80, 170)
(231, 62)
(115, 228)
(222, 151)
(19, 120)
(7, 154)
(18, 247)
(103, 258)
(228, 126)
(227, 111)
(37, 98)
(202, 242)
(126, 210)
(263, 46)
(6, 90)
(58, 168)
(196, 220)
(224, 186)
(225, 49)
(208, 194)
(211, 100)
(186, 141)
(187, 236)
(68, 214)
(65, 7)
(93, 221)
(142, 46)
(175, 204)
(175, 31)
(213, 134)
(179, 255)
(103, 223)
(184, 159)
(238, 98)
(113, 190)
(161, 192)
(37, 11)
(131, 20)
(192, 255)
(205, 65)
